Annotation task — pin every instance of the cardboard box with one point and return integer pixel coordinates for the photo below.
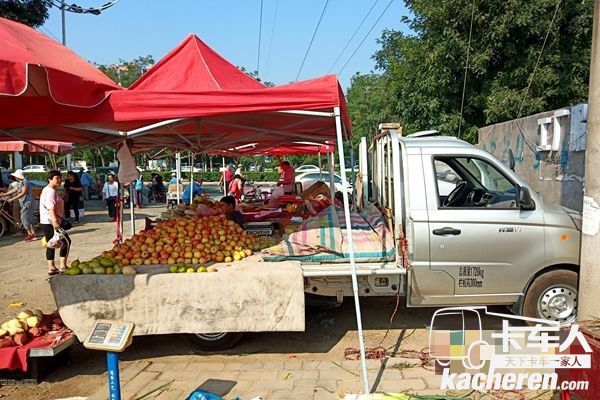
(316, 189)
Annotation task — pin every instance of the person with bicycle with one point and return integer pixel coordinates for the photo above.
(25, 197)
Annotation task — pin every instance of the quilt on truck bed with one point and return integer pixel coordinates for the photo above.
(324, 238)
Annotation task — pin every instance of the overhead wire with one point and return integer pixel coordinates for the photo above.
(50, 33)
(352, 37)
(272, 34)
(462, 101)
(366, 36)
(312, 39)
(259, 38)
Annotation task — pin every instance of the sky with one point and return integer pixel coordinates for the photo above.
(133, 28)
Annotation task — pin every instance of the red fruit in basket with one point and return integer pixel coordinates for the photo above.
(35, 332)
(21, 339)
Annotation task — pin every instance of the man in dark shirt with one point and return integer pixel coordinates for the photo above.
(228, 207)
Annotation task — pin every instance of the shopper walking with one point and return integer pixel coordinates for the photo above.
(51, 213)
(110, 193)
(86, 183)
(25, 196)
(73, 190)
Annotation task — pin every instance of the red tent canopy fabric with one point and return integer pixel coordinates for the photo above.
(283, 150)
(210, 99)
(192, 67)
(32, 64)
(36, 146)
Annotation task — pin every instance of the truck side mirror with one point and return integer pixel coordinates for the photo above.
(511, 160)
(525, 200)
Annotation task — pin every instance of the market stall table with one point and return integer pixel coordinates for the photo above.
(248, 296)
(34, 359)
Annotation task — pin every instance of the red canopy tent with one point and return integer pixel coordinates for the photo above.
(191, 98)
(205, 106)
(37, 74)
(293, 148)
(36, 146)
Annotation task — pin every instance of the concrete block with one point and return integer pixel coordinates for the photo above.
(132, 370)
(206, 366)
(143, 380)
(167, 366)
(338, 374)
(258, 375)
(292, 365)
(400, 385)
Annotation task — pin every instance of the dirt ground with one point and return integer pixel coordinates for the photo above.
(328, 332)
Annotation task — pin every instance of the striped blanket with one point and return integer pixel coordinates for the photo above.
(324, 238)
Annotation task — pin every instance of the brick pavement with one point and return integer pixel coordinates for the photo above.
(289, 379)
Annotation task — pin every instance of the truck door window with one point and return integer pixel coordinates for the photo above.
(473, 183)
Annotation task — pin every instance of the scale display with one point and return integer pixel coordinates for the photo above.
(110, 335)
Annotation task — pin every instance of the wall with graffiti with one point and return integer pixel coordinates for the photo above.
(549, 151)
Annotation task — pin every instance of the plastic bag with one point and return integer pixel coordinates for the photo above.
(56, 241)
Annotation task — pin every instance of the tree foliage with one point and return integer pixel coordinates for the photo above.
(126, 72)
(422, 73)
(29, 12)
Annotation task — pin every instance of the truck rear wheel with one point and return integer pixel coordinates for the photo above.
(215, 341)
(553, 296)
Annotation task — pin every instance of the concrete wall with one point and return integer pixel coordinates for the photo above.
(556, 173)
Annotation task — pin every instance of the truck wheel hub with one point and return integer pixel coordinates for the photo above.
(558, 303)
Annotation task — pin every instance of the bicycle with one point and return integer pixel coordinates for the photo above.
(6, 219)
(255, 193)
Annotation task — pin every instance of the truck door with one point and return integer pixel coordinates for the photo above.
(478, 234)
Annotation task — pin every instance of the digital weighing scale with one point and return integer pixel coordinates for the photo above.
(112, 337)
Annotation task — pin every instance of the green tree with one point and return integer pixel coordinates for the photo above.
(127, 72)
(29, 12)
(369, 104)
(424, 71)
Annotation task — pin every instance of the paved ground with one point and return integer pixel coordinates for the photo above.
(308, 365)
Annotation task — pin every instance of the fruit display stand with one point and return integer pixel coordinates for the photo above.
(31, 361)
(245, 296)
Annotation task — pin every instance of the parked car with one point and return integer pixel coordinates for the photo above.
(310, 178)
(36, 168)
(186, 168)
(306, 168)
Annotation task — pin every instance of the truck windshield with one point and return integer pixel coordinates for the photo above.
(472, 182)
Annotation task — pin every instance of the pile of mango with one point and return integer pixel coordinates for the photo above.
(99, 266)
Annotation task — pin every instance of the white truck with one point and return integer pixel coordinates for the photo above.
(468, 231)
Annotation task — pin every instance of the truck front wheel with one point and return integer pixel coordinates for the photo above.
(215, 341)
(552, 296)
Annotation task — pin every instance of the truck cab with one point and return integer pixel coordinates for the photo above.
(474, 232)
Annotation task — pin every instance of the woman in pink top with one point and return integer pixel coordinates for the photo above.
(51, 212)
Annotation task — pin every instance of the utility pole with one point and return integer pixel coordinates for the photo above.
(64, 31)
(589, 278)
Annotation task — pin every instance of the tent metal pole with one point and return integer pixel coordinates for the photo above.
(361, 342)
(224, 181)
(331, 167)
(178, 174)
(191, 177)
(320, 169)
(132, 193)
(353, 178)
